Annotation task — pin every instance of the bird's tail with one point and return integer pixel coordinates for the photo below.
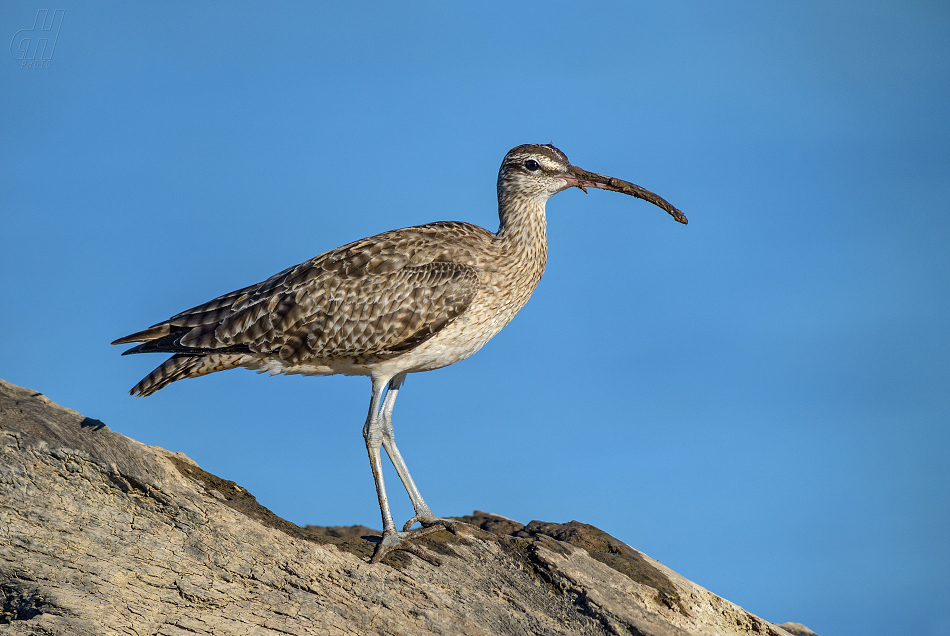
(183, 365)
(177, 367)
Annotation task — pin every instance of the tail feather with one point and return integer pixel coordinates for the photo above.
(175, 368)
(181, 366)
(152, 333)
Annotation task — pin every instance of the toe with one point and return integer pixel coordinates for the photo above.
(403, 541)
(430, 521)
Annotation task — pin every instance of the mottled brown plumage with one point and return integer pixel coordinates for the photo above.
(399, 302)
(354, 306)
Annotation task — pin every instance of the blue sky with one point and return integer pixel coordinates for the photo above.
(759, 399)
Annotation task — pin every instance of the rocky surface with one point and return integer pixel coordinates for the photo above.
(100, 534)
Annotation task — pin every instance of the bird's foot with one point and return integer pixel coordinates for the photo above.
(395, 540)
(430, 521)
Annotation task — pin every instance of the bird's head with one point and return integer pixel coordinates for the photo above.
(539, 172)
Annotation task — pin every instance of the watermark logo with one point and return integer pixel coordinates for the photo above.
(34, 47)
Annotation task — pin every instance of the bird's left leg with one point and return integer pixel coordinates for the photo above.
(423, 513)
(373, 434)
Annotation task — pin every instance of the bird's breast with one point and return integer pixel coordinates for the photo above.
(503, 290)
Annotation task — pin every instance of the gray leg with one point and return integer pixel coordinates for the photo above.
(423, 513)
(389, 443)
(375, 436)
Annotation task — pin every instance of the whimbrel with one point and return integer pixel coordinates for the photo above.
(400, 302)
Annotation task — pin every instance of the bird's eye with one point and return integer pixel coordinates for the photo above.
(532, 165)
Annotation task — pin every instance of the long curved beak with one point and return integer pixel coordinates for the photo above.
(583, 179)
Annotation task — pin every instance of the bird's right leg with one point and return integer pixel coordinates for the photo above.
(423, 514)
(392, 539)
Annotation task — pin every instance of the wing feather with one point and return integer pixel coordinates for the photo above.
(380, 296)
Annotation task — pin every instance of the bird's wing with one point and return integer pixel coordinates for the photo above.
(371, 297)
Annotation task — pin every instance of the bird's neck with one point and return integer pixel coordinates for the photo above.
(522, 233)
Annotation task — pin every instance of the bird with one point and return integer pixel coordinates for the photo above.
(404, 301)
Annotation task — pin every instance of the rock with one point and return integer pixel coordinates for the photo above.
(797, 629)
(100, 534)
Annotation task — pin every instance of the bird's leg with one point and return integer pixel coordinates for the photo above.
(423, 513)
(373, 434)
(392, 539)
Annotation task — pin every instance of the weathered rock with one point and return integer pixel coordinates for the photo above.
(797, 629)
(100, 534)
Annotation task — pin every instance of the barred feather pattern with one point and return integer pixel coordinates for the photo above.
(179, 367)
